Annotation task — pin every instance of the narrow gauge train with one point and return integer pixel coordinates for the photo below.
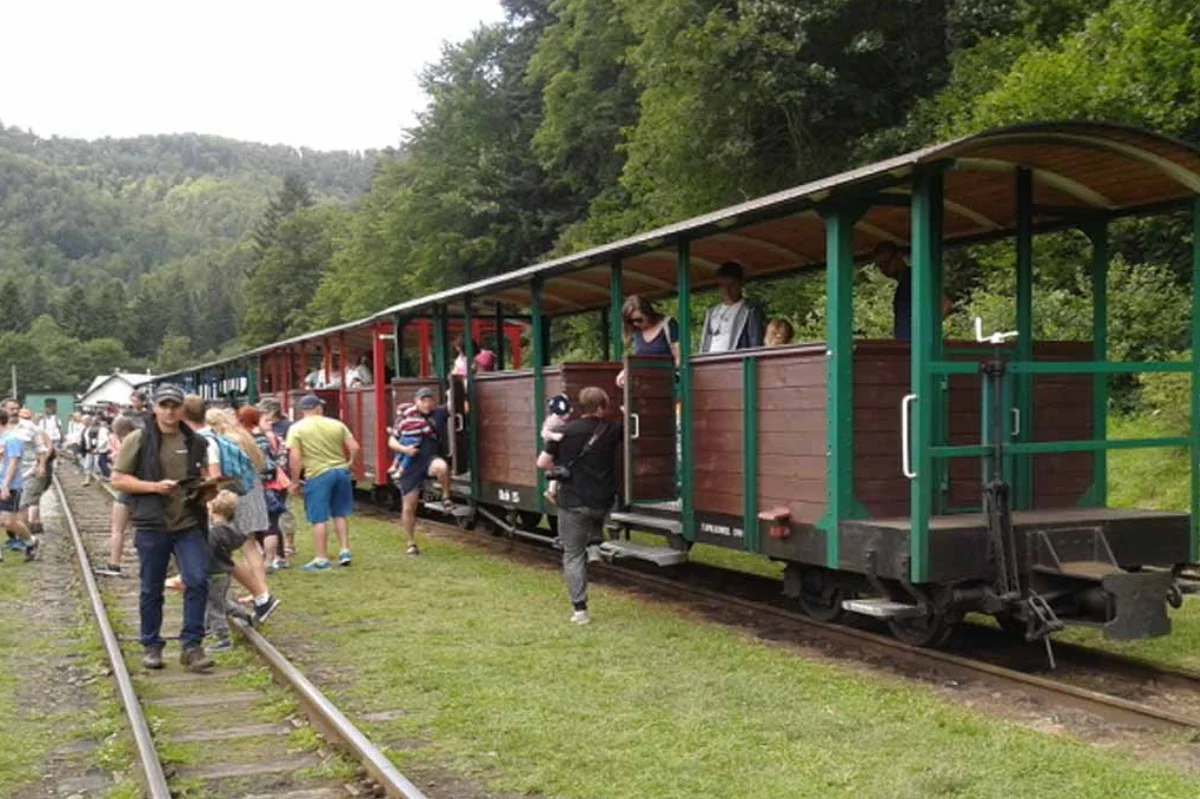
(913, 481)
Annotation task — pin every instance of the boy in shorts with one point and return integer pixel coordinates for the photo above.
(121, 428)
(223, 541)
(411, 426)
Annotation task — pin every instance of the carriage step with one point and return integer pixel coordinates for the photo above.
(459, 510)
(644, 521)
(881, 608)
(660, 556)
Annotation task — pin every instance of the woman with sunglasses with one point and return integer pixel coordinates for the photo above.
(651, 333)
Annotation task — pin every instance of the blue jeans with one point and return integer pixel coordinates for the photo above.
(154, 548)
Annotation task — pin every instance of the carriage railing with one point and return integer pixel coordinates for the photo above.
(1106, 368)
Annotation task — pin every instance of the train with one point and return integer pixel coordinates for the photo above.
(913, 481)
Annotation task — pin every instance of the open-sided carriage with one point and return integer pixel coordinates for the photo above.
(912, 481)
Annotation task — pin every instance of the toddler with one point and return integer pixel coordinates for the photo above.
(223, 541)
(411, 427)
(559, 409)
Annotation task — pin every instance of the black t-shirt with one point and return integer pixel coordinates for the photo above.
(593, 482)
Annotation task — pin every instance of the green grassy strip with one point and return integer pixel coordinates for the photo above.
(495, 685)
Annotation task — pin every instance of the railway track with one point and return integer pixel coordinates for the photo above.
(219, 734)
(1118, 690)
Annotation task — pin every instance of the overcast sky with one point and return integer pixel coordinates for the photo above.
(327, 75)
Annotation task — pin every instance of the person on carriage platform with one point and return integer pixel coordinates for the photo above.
(425, 461)
(892, 265)
(736, 322)
(651, 333)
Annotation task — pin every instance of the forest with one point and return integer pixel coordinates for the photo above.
(574, 122)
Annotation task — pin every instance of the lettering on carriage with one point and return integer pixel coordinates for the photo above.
(507, 495)
(721, 529)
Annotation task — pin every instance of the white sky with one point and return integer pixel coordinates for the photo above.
(326, 75)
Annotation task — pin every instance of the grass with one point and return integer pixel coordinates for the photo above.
(495, 686)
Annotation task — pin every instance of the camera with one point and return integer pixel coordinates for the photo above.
(559, 473)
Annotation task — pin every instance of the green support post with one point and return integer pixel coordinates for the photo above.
(1023, 486)
(616, 325)
(1097, 232)
(941, 394)
(925, 308)
(1194, 450)
(440, 370)
(252, 380)
(839, 365)
(472, 430)
(685, 391)
(538, 335)
(500, 337)
(750, 540)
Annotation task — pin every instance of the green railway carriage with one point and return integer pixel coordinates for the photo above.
(908, 480)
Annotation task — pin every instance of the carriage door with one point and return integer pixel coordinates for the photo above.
(650, 431)
(458, 425)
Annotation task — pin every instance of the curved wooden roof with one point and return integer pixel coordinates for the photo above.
(1076, 168)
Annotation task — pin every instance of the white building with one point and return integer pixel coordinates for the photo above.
(112, 389)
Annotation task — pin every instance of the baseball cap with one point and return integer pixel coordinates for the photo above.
(425, 391)
(310, 401)
(168, 393)
(732, 270)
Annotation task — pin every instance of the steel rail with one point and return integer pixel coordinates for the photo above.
(332, 723)
(1112, 707)
(152, 770)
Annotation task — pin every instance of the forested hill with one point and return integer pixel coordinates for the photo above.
(130, 244)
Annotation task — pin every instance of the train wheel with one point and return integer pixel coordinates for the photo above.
(820, 597)
(933, 630)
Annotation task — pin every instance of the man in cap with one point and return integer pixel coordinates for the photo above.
(735, 323)
(36, 452)
(426, 462)
(138, 413)
(323, 448)
(159, 468)
(11, 482)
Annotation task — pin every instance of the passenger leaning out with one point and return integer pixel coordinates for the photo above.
(735, 323)
(584, 463)
(650, 333)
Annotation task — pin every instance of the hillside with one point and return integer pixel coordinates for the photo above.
(137, 240)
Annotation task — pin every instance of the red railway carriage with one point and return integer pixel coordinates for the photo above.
(913, 480)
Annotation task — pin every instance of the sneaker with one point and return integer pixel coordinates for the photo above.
(222, 645)
(153, 658)
(280, 563)
(580, 617)
(194, 660)
(108, 570)
(263, 612)
(344, 557)
(14, 544)
(270, 568)
(412, 550)
(31, 549)
(315, 565)
(448, 505)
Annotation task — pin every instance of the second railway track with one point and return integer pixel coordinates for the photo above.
(222, 734)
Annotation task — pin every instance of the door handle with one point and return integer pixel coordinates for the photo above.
(459, 426)
(1016, 422)
(905, 451)
(635, 422)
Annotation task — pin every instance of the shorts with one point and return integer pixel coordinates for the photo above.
(31, 492)
(328, 494)
(13, 503)
(122, 498)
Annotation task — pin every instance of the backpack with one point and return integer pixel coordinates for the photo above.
(235, 464)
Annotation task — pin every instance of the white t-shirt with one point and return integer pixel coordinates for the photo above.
(214, 449)
(720, 326)
(52, 427)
